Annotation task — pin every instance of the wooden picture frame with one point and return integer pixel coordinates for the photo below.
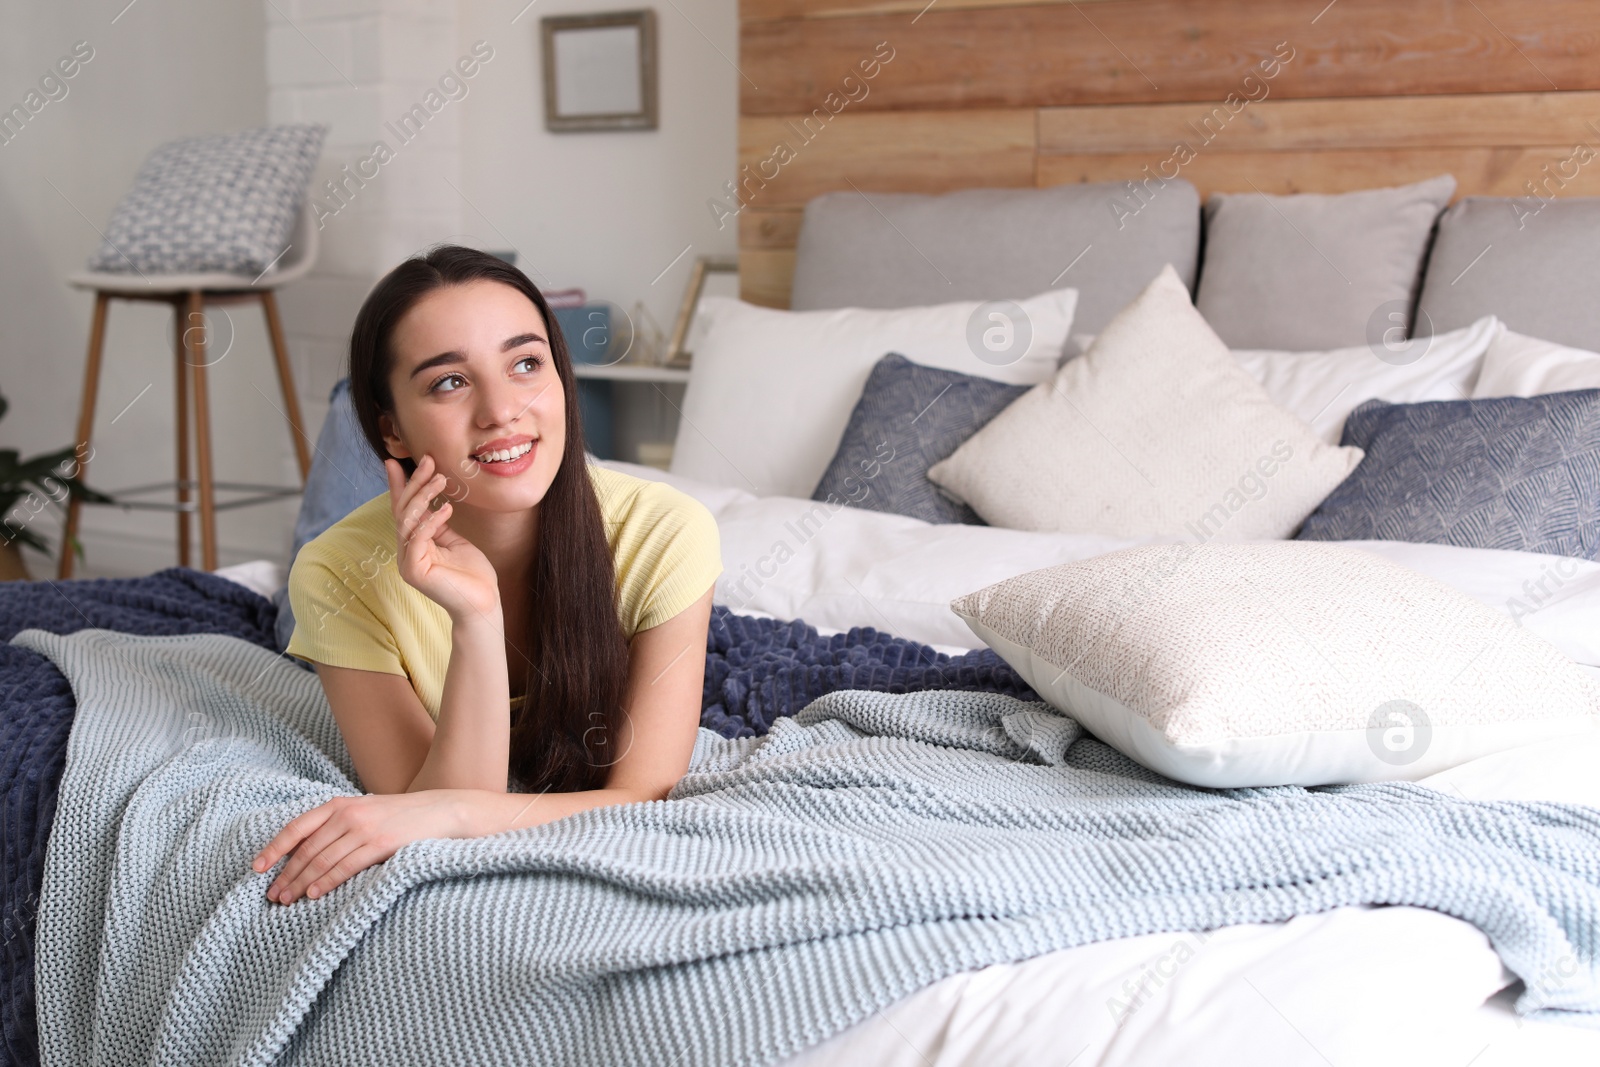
(599, 71)
(677, 353)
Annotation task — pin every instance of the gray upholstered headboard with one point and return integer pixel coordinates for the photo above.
(1535, 263)
(906, 249)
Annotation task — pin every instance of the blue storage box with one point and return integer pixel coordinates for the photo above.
(587, 331)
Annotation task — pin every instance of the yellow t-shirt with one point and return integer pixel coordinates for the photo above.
(352, 608)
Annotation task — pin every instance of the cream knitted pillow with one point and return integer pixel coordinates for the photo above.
(1281, 663)
(1155, 431)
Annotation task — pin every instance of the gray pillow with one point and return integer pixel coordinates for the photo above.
(910, 417)
(1512, 472)
(224, 202)
(1532, 262)
(1315, 270)
(892, 250)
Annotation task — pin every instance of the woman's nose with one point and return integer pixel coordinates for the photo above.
(499, 404)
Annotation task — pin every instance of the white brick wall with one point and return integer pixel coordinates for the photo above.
(358, 65)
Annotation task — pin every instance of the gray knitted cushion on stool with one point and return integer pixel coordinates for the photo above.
(224, 202)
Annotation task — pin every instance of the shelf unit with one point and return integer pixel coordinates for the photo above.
(631, 372)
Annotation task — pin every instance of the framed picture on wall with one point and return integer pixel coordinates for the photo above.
(600, 71)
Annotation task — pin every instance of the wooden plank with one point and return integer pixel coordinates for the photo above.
(1490, 120)
(765, 276)
(1130, 51)
(926, 152)
(769, 229)
(751, 10)
(1478, 171)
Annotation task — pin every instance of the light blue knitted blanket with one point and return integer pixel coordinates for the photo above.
(794, 884)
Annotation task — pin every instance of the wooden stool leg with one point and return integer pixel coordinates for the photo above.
(194, 335)
(291, 403)
(91, 385)
(183, 432)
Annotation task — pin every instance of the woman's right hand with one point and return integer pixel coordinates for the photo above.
(446, 567)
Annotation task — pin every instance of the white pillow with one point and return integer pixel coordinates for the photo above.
(1516, 365)
(770, 392)
(1287, 663)
(1155, 431)
(1323, 388)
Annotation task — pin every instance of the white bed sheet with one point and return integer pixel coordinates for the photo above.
(844, 567)
(262, 576)
(1388, 985)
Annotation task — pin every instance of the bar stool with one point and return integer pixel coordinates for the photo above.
(188, 294)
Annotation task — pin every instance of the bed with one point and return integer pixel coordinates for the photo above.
(1353, 984)
(861, 603)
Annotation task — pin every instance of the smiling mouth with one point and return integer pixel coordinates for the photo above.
(505, 455)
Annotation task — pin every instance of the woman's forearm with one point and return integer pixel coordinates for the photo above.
(472, 739)
(484, 812)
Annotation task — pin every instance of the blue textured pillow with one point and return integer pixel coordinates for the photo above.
(1507, 472)
(344, 475)
(910, 417)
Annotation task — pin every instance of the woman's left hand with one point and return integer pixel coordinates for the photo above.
(334, 842)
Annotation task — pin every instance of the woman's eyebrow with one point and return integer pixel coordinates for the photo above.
(455, 356)
(519, 340)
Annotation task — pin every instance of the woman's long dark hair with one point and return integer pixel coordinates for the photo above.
(565, 736)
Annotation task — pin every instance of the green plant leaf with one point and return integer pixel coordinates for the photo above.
(28, 537)
(93, 496)
(39, 466)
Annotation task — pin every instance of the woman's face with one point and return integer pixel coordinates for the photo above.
(474, 376)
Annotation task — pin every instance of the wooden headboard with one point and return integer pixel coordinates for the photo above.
(1275, 95)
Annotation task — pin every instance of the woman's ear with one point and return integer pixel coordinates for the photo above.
(397, 448)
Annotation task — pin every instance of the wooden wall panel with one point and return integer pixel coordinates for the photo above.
(1478, 171)
(984, 93)
(1136, 51)
(1483, 121)
(769, 229)
(827, 9)
(921, 152)
(765, 275)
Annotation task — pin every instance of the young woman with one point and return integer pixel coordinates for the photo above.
(507, 614)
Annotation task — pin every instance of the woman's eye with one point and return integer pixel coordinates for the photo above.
(535, 360)
(441, 381)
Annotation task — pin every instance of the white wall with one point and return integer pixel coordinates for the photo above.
(605, 211)
(159, 71)
(608, 211)
(621, 214)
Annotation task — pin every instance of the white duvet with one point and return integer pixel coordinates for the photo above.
(1353, 986)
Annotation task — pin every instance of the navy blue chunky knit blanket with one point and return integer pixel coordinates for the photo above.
(757, 670)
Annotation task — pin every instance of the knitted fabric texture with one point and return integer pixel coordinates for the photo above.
(864, 848)
(757, 670)
(36, 711)
(1219, 641)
